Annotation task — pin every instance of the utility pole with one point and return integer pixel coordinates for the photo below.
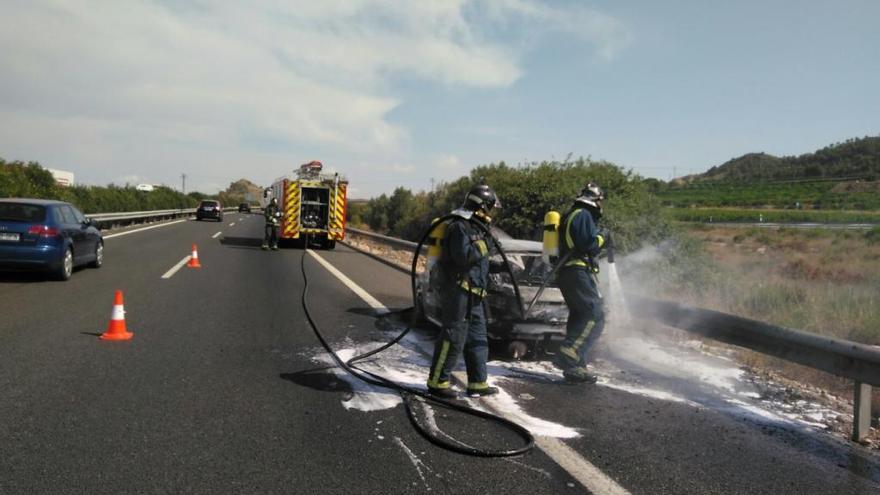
(183, 178)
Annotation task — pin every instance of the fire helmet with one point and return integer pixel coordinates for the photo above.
(592, 196)
(481, 197)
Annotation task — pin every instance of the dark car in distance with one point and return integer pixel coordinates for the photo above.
(48, 236)
(209, 209)
(244, 208)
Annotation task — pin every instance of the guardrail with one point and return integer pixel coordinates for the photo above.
(858, 362)
(391, 241)
(128, 217)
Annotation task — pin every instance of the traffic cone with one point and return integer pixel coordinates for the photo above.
(116, 329)
(194, 259)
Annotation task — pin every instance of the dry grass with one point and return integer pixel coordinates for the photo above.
(821, 281)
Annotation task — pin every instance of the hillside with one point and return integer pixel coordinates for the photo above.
(241, 191)
(854, 158)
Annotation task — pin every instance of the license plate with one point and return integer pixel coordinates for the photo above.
(6, 236)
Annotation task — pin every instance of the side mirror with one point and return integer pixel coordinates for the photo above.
(91, 222)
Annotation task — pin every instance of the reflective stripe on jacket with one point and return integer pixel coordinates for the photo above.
(580, 236)
(461, 258)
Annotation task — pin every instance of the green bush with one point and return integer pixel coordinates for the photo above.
(30, 180)
(527, 193)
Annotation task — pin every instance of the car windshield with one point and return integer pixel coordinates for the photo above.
(20, 212)
(529, 268)
(209, 203)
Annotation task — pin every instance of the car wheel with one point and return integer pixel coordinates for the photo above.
(99, 256)
(65, 270)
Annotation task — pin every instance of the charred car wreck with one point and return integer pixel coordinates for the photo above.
(544, 326)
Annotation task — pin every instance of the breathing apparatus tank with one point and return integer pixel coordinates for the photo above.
(551, 236)
(436, 237)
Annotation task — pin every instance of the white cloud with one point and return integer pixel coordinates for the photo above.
(113, 88)
(449, 163)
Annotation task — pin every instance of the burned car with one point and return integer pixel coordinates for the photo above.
(544, 326)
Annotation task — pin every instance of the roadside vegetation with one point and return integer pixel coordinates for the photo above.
(817, 280)
(526, 193)
(30, 180)
(712, 215)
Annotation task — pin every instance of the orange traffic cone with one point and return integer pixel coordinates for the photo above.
(194, 259)
(116, 330)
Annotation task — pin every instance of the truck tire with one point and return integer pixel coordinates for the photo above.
(329, 244)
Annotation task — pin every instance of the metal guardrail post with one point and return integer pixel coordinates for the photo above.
(861, 411)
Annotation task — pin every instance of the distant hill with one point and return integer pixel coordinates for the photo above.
(854, 158)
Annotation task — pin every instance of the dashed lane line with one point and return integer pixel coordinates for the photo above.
(170, 273)
(231, 224)
(216, 235)
(142, 229)
(588, 475)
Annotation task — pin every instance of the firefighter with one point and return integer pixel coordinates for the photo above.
(581, 240)
(273, 218)
(462, 276)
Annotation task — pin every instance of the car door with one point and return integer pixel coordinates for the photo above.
(74, 231)
(90, 234)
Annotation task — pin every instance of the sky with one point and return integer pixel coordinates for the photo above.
(416, 92)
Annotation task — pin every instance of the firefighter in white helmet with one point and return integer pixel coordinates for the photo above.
(580, 241)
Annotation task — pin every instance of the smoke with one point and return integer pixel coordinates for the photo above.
(646, 355)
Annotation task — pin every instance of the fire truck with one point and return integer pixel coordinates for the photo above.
(313, 204)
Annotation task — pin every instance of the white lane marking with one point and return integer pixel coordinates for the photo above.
(216, 235)
(143, 229)
(366, 296)
(588, 475)
(591, 477)
(231, 224)
(170, 273)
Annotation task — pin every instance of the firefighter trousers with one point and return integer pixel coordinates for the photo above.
(586, 315)
(464, 331)
(270, 237)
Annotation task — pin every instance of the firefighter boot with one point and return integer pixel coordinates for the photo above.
(443, 393)
(482, 392)
(565, 358)
(578, 375)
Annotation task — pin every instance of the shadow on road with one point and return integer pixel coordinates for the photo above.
(241, 242)
(13, 277)
(319, 379)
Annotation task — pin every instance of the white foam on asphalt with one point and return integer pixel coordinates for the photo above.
(411, 369)
(505, 403)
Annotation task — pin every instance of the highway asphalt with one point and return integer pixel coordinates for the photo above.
(221, 391)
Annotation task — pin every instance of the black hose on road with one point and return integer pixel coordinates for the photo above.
(406, 392)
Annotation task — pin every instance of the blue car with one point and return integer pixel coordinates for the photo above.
(48, 236)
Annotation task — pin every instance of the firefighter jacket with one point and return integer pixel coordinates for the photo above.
(272, 214)
(465, 257)
(580, 236)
